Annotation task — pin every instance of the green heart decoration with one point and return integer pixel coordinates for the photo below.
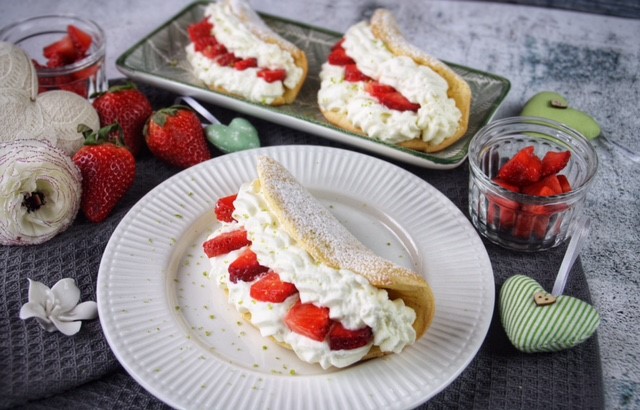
(532, 327)
(237, 136)
(555, 107)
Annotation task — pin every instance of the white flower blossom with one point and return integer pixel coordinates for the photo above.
(57, 308)
(40, 192)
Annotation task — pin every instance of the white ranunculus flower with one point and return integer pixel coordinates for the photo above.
(57, 308)
(40, 191)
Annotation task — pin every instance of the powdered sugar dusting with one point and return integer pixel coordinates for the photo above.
(319, 232)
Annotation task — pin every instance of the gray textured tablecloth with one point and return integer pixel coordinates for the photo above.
(52, 371)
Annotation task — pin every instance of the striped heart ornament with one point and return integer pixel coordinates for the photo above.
(549, 325)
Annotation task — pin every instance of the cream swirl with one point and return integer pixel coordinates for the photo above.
(437, 118)
(243, 43)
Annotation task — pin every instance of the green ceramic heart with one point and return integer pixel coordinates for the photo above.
(555, 107)
(237, 136)
(533, 328)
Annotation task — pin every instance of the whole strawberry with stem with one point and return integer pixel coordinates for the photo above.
(127, 106)
(175, 136)
(108, 170)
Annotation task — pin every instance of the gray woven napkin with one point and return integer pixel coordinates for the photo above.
(53, 371)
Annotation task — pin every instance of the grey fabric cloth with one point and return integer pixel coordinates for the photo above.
(40, 370)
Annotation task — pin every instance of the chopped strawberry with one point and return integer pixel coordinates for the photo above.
(532, 220)
(62, 51)
(524, 168)
(270, 288)
(564, 183)
(352, 74)
(224, 208)
(246, 63)
(271, 76)
(341, 338)
(339, 56)
(57, 61)
(80, 39)
(202, 29)
(246, 267)
(227, 59)
(504, 184)
(501, 212)
(225, 243)
(547, 186)
(554, 162)
(309, 320)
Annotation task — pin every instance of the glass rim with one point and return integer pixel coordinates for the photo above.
(97, 35)
(557, 127)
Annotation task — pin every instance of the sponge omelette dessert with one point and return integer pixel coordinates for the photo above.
(376, 84)
(295, 272)
(234, 52)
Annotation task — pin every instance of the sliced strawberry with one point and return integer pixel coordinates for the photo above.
(226, 242)
(564, 183)
(214, 50)
(224, 208)
(524, 168)
(202, 29)
(547, 186)
(271, 76)
(208, 46)
(270, 288)
(554, 162)
(377, 89)
(397, 101)
(341, 338)
(245, 63)
(339, 56)
(80, 39)
(337, 45)
(246, 267)
(390, 97)
(352, 74)
(309, 320)
(227, 60)
(62, 51)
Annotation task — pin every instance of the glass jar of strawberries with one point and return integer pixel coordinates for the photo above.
(528, 181)
(68, 52)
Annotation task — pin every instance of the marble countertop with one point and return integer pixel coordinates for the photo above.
(591, 59)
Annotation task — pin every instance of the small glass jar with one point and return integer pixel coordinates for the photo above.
(85, 76)
(515, 220)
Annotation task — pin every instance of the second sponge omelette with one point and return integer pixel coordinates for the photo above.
(234, 52)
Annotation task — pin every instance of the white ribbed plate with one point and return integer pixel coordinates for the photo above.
(172, 329)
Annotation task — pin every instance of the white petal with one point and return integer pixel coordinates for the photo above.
(67, 328)
(32, 309)
(66, 293)
(84, 311)
(46, 324)
(38, 292)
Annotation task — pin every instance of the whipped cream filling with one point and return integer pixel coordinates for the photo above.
(239, 40)
(352, 300)
(437, 118)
